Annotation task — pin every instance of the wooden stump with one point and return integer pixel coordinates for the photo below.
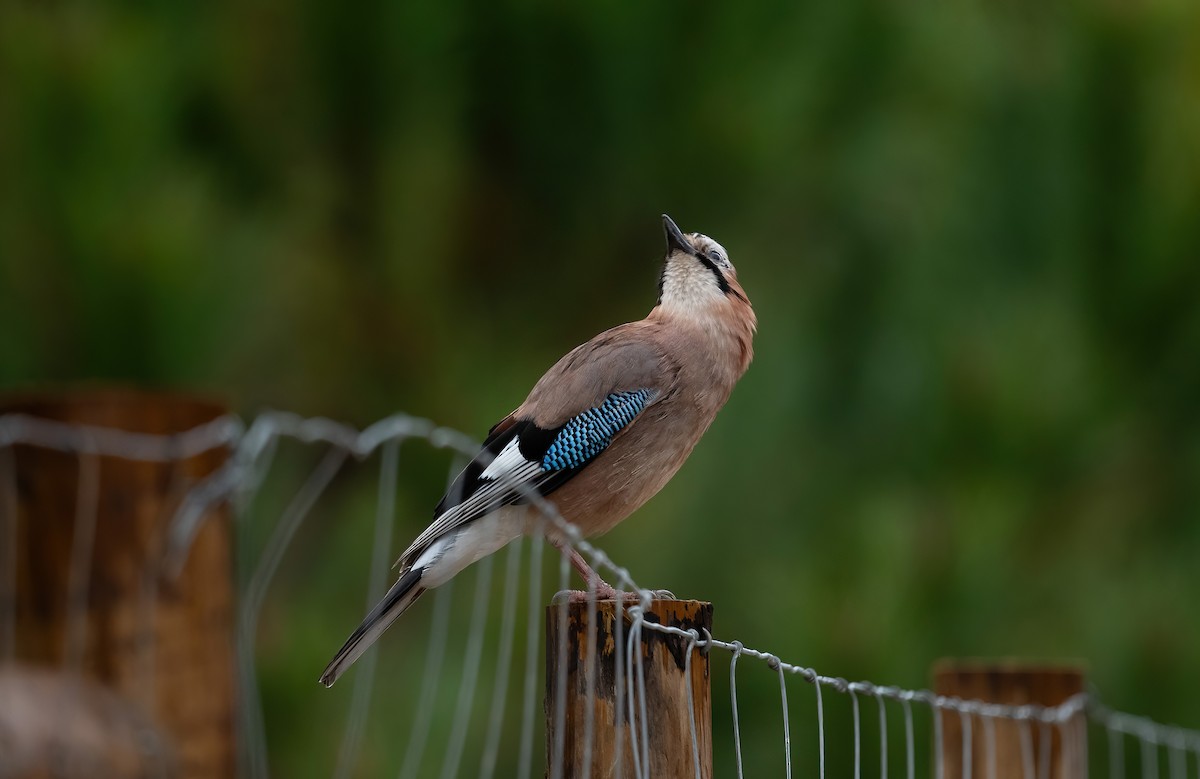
(1065, 747)
(57, 725)
(668, 715)
(99, 606)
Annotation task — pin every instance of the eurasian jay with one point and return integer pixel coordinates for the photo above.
(598, 436)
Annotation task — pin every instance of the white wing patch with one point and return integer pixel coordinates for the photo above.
(502, 476)
(509, 461)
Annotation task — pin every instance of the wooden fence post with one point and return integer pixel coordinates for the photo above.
(668, 716)
(88, 595)
(1019, 746)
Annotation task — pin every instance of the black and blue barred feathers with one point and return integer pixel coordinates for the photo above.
(588, 434)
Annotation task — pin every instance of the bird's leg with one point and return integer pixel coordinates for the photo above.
(597, 587)
(603, 590)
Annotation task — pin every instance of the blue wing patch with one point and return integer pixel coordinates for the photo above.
(590, 433)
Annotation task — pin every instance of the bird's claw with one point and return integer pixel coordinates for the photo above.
(605, 592)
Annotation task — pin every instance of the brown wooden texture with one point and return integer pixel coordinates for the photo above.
(667, 711)
(164, 645)
(57, 725)
(1012, 684)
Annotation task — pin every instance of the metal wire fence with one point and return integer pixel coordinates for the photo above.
(480, 717)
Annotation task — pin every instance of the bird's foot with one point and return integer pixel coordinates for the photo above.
(599, 589)
(607, 592)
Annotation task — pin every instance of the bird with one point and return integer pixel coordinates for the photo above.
(599, 434)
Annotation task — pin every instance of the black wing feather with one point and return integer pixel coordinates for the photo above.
(534, 443)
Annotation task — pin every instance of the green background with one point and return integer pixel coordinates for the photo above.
(971, 232)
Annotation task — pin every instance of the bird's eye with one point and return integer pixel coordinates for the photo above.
(717, 257)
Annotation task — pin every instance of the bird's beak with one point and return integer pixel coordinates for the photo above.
(676, 242)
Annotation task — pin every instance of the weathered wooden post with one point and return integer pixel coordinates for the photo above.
(57, 725)
(88, 597)
(1017, 746)
(669, 717)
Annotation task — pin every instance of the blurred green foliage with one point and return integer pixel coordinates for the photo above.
(971, 233)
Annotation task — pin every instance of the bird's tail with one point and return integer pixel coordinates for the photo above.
(402, 595)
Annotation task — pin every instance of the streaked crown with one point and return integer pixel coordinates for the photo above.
(697, 273)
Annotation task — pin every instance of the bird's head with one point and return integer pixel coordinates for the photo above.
(697, 277)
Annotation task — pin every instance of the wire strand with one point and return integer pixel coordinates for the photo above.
(239, 479)
(360, 698)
